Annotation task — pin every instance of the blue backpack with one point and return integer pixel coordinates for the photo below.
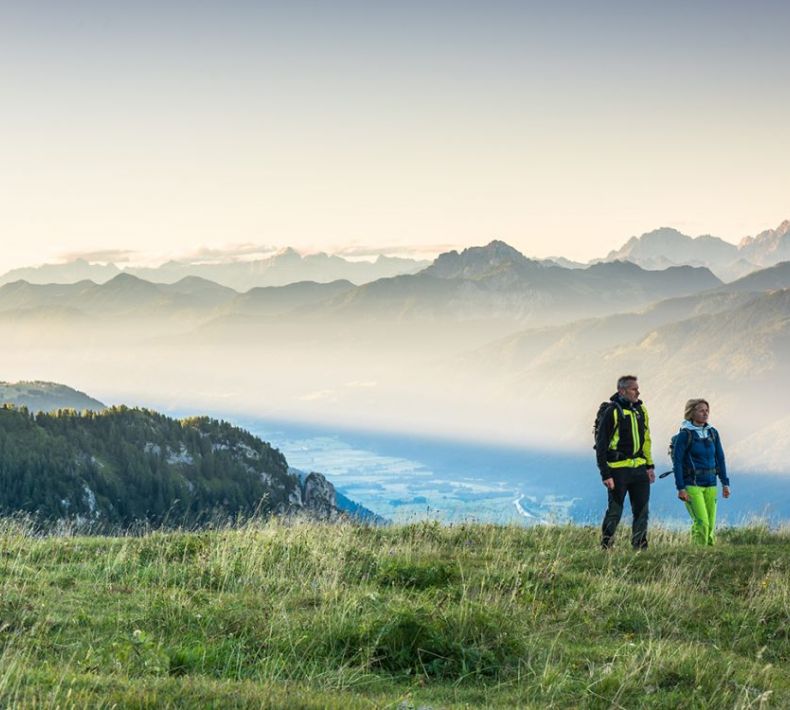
(673, 443)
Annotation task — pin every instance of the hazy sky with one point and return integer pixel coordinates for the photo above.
(563, 128)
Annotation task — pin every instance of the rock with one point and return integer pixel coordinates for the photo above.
(318, 498)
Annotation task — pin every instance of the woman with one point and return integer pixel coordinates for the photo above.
(697, 459)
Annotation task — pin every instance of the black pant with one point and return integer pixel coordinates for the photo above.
(635, 482)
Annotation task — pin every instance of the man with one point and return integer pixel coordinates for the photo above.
(622, 445)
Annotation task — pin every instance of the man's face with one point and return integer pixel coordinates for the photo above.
(631, 391)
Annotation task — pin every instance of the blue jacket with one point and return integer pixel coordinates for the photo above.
(697, 461)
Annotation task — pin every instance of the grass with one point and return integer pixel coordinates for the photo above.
(417, 616)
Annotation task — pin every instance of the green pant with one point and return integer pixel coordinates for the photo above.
(702, 509)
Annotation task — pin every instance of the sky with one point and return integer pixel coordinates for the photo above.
(150, 130)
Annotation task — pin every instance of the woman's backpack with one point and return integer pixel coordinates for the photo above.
(674, 440)
(687, 432)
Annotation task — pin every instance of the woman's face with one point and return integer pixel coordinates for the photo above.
(701, 413)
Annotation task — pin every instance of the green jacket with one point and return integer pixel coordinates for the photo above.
(623, 439)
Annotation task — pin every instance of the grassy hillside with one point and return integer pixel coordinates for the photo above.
(303, 616)
(40, 396)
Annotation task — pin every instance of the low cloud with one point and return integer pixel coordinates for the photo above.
(224, 254)
(248, 251)
(104, 256)
(231, 252)
(417, 251)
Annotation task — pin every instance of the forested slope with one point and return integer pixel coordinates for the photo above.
(125, 465)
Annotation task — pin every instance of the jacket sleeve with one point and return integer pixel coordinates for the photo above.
(605, 433)
(679, 451)
(647, 444)
(721, 464)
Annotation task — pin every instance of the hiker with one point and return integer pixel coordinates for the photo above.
(622, 444)
(697, 459)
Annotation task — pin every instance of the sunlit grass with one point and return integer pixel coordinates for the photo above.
(269, 614)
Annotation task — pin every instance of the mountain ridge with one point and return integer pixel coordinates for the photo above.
(284, 267)
(665, 246)
(122, 466)
(495, 280)
(656, 249)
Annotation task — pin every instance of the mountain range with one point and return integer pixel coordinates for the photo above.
(285, 267)
(492, 282)
(658, 249)
(668, 247)
(483, 343)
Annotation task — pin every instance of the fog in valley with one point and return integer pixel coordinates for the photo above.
(484, 345)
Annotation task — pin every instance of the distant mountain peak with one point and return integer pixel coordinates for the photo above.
(193, 279)
(125, 278)
(769, 247)
(769, 235)
(782, 229)
(498, 248)
(616, 266)
(69, 272)
(198, 283)
(289, 253)
(663, 232)
(477, 262)
(666, 246)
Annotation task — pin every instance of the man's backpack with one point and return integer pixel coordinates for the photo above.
(602, 407)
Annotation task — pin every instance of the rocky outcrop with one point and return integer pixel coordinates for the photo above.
(319, 499)
(315, 497)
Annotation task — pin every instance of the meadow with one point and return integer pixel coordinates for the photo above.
(273, 614)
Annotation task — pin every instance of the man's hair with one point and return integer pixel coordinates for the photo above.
(622, 383)
(691, 405)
